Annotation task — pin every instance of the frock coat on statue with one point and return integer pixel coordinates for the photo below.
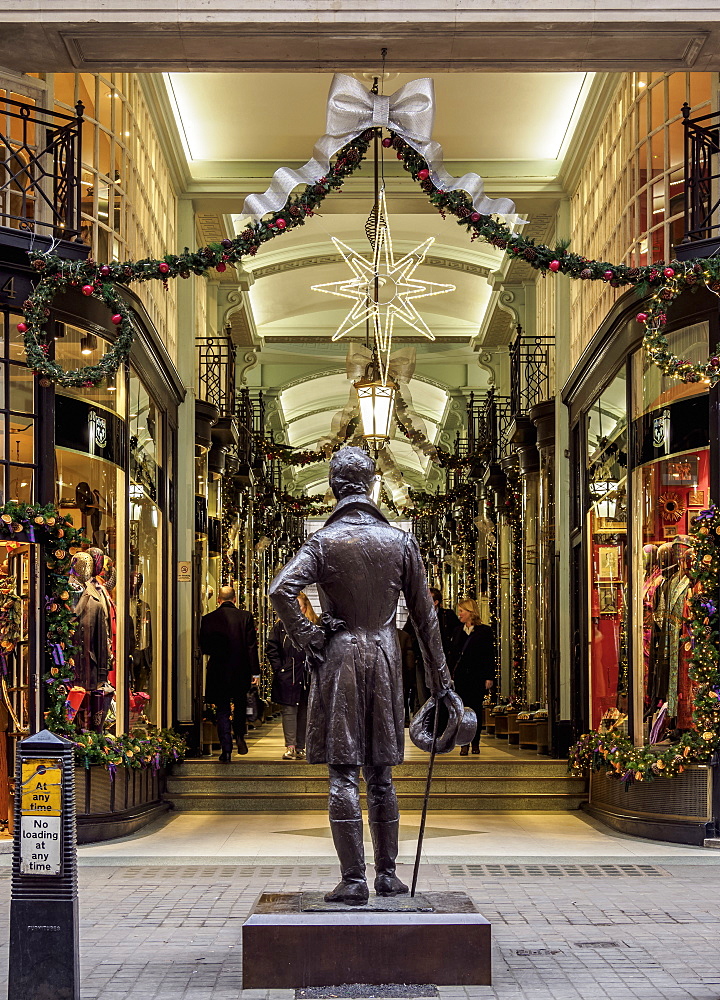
(360, 563)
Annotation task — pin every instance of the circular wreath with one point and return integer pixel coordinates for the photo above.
(37, 312)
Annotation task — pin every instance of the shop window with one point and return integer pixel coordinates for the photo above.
(91, 490)
(16, 576)
(651, 389)
(75, 347)
(90, 456)
(607, 451)
(17, 422)
(146, 544)
(668, 492)
(671, 484)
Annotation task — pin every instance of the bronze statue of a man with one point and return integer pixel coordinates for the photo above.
(360, 563)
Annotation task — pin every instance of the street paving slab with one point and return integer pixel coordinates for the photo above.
(573, 930)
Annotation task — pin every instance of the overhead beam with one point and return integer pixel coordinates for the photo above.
(423, 35)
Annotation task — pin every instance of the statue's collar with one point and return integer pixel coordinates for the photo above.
(356, 501)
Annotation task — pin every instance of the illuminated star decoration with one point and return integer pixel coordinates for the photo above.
(383, 288)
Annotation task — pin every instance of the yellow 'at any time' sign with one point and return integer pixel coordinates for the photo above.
(41, 787)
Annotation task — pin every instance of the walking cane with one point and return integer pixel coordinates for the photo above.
(427, 797)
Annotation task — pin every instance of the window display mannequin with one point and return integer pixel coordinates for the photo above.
(667, 673)
(108, 580)
(99, 558)
(658, 678)
(91, 638)
(81, 569)
(102, 695)
(141, 644)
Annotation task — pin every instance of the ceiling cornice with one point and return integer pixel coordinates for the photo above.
(163, 117)
(600, 97)
(321, 260)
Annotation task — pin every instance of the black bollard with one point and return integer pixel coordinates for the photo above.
(44, 944)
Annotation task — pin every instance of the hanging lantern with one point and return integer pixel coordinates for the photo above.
(377, 400)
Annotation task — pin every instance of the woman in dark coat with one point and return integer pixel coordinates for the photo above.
(472, 662)
(290, 683)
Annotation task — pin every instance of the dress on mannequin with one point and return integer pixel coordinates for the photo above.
(91, 635)
(141, 643)
(102, 693)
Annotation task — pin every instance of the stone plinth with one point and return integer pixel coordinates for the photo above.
(292, 940)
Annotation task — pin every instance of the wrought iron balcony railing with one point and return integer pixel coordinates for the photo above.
(250, 412)
(702, 175)
(488, 426)
(216, 372)
(531, 365)
(40, 168)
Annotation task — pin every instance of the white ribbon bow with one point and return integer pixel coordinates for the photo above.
(351, 108)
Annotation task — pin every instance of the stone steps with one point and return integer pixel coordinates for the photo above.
(281, 786)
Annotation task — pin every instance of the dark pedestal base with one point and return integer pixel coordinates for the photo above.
(292, 940)
(44, 950)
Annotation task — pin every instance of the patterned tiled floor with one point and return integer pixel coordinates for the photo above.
(173, 932)
(578, 912)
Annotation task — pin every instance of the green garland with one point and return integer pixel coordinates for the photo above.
(288, 455)
(135, 750)
(617, 755)
(60, 540)
(37, 311)
(423, 504)
(663, 283)
(99, 280)
(10, 620)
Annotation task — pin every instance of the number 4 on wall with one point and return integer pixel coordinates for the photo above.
(7, 288)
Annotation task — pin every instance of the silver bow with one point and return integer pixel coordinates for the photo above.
(351, 108)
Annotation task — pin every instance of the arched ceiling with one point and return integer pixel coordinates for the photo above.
(513, 129)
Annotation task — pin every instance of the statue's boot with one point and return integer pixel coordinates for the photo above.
(347, 836)
(385, 842)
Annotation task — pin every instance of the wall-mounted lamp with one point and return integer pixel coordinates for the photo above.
(88, 343)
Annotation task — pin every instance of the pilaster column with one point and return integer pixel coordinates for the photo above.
(185, 482)
(543, 417)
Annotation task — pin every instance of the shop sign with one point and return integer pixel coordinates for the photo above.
(680, 427)
(661, 430)
(90, 429)
(40, 819)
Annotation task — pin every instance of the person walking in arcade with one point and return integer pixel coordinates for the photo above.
(229, 638)
(291, 682)
(472, 662)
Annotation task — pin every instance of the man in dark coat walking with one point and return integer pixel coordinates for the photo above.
(360, 564)
(229, 638)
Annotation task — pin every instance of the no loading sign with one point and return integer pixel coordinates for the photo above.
(40, 819)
